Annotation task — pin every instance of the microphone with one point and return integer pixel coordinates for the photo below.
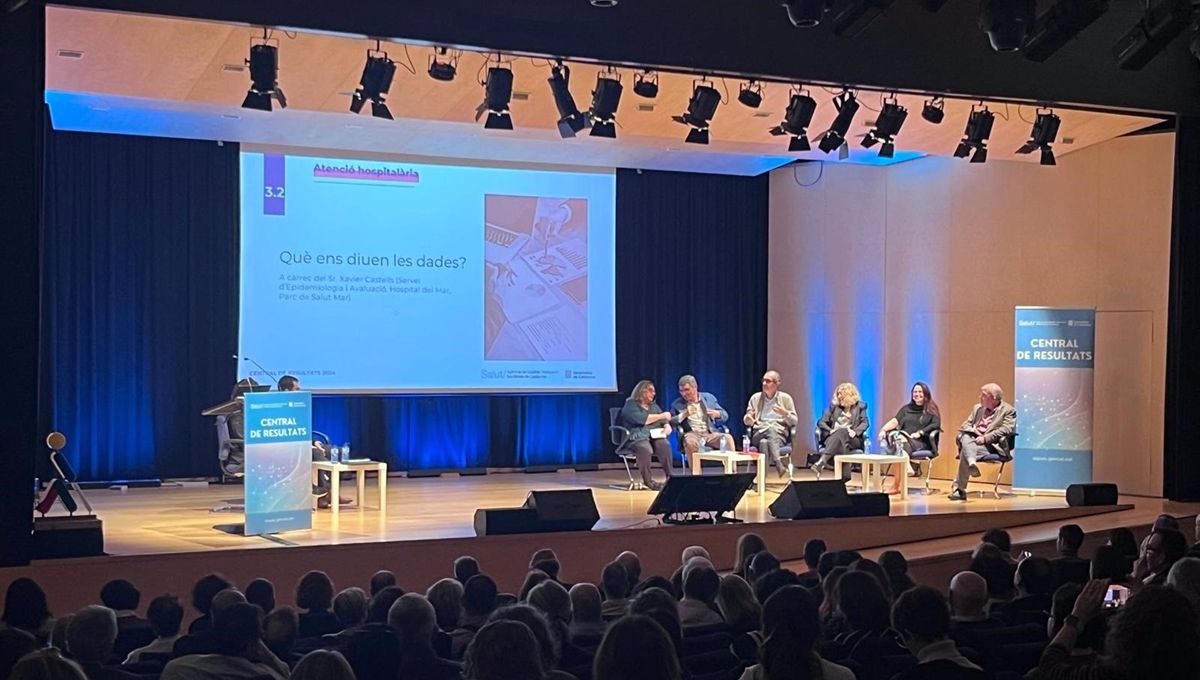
(260, 367)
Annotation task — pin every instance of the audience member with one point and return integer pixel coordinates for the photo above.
(548, 644)
(165, 615)
(831, 622)
(261, 592)
(546, 560)
(503, 650)
(202, 596)
(922, 619)
(1165, 521)
(350, 607)
(614, 583)
(314, 596)
(1068, 566)
(636, 648)
(790, 633)
(633, 568)
(748, 545)
(737, 604)
(532, 578)
(239, 654)
(844, 558)
(992, 564)
(384, 578)
(700, 586)
(90, 639)
(46, 664)
(464, 568)
(25, 608)
(206, 641)
(373, 650)
(1185, 578)
(446, 597)
(1001, 539)
(58, 632)
(281, 627)
(1194, 551)
(1155, 635)
(659, 605)
(659, 582)
(968, 603)
(825, 564)
(772, 581)
(872, 567)
(814, 550)
(865, 612)
(1034, 581)
(14, 644)
(550, 598)
(1108, 562)
(133, 631)
(694, 551)
(479, 601)
(762, 563)
(1122, 539)
(415, 622)
(587, 623)
(896, 568)
(323, 664)
(1090, 640)
(1160, 551)
(381, 602)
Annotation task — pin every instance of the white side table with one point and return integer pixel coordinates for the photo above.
(730, 459)
(360, 471)
(873, 469)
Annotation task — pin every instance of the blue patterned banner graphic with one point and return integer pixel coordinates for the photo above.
(1054, 386)
(278, 462)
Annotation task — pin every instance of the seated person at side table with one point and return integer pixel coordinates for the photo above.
(290, 383)
(770, 415)
(986, 430)
(697, 414)
(912, 426)
(842, 426)
(649, 426)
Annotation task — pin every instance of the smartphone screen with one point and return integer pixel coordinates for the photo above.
(1116, 596)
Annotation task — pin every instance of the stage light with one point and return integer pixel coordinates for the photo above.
(847, 105)
(975, 137)
(1006, 22)
(887, 125)
(497, 92)
(374, 84)
(264, 76)
(1059, 24)
(442, 65)
(856, 16)
(751, 94)
(1162, 23)
(805, 13)
(645, 84)
(1045, 131)
(570, 120)
(796, 120)
(934, 110)
(605, 100)
(701, 109)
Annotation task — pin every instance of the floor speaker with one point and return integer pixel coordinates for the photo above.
(565, 510)
(822, 499)
(1092, 494)
(499, 521)
(77, 536)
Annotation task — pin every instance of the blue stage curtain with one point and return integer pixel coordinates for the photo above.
(139, 314)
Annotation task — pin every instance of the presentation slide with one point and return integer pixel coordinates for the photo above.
(392, 277)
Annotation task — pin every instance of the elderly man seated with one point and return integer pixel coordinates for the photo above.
(986, 430)
(697, 414)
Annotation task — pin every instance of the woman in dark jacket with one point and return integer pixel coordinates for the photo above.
(912, 428)
(648, 427)
(841, 428)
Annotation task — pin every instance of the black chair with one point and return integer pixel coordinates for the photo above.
(925, 455)
(994, 455)
(619, 436)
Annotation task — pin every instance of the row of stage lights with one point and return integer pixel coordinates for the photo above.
(601, 117)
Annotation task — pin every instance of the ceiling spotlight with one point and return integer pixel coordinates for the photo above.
(979, 128)
(796, 120)
(847, 105)
(856, 16)
(1162, 23)
(497, 92)
(1045, 131)
(1006, 22)
(264, 76)
(374, 85)
(1059, 24)
(806, 13)
(701, 109)
(442, 65)
(570, 120)
(605, 100)
(887, 125)
(934, 110)
(645, 84)
(751, 94)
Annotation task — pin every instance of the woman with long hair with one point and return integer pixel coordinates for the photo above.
(749, 544)
(649, 426)
(842, 426)
(790, 632)
(912, 427)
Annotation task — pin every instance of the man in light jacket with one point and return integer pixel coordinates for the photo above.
(770, 419)
(987, 430)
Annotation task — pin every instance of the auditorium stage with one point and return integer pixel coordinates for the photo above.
(163, 538)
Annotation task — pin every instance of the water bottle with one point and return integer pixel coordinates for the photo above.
(866, 444)
(723, 444)
(346, 452)
(745, 443)
(335, 455)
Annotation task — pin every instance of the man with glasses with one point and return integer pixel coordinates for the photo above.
(770, 417)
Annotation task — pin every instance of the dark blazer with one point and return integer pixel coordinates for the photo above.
(1004, 423)
(858, 419)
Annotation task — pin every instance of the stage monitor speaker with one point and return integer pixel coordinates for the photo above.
(1092, 494)
(821, 499)
(701, 493)
(78, 536)
(870, 505)
(565, 510)
(498, 521)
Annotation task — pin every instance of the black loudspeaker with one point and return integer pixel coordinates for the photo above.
(566, 510)
(815, 500)
(55, 537)
(497, 521)
(1092, 494)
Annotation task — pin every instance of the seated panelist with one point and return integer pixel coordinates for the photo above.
(770, 417)
(841, 428)
(290, 383)
(649, 426)
(698, 415)
(912, 426)
(986, 430)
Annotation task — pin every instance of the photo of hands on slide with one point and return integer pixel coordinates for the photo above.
(535, 278)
